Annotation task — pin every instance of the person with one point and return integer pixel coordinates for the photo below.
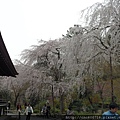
(19, 109)
(70, 114)
(111, 114)
(48, 110)
(28, 111)
(25, 105)
(9, 105)
(69, 111)
(43, 112)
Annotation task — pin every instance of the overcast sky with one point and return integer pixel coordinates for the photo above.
(24, 22)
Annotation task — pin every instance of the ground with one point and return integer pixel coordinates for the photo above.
(23, 117)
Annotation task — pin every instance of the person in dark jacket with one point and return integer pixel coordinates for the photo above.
(48, 108)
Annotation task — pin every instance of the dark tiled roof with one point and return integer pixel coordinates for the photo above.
(6, 66)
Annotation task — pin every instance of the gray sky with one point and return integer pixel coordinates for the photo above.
(24, 22)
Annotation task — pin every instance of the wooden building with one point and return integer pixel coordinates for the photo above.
(6, 66)
(6, 69)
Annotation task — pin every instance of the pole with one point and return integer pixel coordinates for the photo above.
(53, 100)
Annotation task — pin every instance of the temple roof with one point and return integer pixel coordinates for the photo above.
(6, 66)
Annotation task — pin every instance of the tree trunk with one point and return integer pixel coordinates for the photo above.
(101, 96)
(16, 98)
(53, 101)
(111, 78)
(61, 103)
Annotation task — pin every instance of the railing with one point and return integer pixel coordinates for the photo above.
(4, 100)
(13, 112)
